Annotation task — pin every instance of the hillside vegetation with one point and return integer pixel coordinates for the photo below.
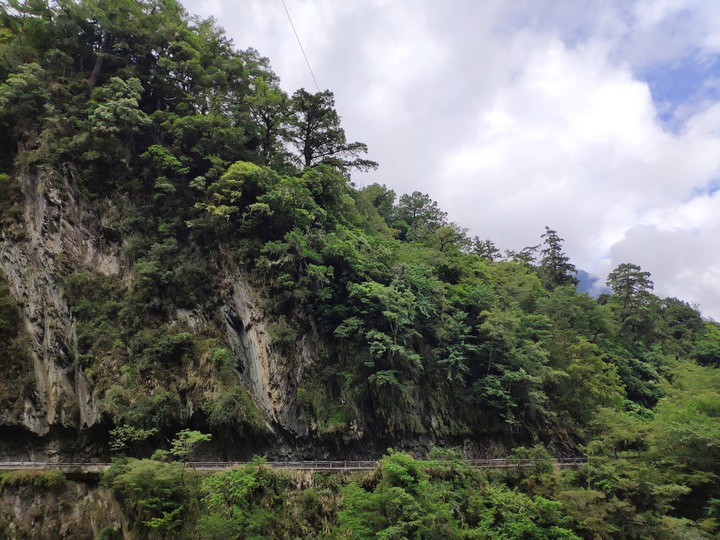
(386, 324)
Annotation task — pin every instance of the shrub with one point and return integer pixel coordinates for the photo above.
(40, 480)
(234, 410)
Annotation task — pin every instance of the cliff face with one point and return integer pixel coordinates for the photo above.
(270, 380)
(55, 231)
(67, 510)
(62, 231)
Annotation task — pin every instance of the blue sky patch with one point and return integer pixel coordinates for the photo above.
(680, 89)
(713, 186)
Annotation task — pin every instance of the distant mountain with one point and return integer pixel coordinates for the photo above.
(587, 284)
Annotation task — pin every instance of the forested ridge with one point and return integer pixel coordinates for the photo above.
(213, 269)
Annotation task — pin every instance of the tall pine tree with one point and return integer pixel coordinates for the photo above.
(555, 266)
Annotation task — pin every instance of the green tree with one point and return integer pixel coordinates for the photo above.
(685, 432)
(513, 370)
(269, 107)
(185, 442)
(114, 108)
(316, 134)
(571, 310)
(485, 249)
(418, 216)
(706, 349)
(109, 139)
(632, 294)
(387, 324)
(555, 267)
(154, 495)
(630, 285)
(615, 431)
(382, 199)
(450, 238)
(681, 323)
(459, 347)
(584, 382)
(526, 256)
(125, 437)
(23, 97)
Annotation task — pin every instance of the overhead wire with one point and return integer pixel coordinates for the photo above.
(301, 47)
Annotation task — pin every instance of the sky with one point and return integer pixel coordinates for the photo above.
(599, 119)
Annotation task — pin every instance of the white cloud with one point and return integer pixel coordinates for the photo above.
(677, 27)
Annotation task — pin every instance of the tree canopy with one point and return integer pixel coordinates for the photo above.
(314, 131)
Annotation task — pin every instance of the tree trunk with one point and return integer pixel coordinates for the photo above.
(97, 69)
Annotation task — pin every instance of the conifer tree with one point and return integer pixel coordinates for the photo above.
(316, 134)
(631, 285)
(555, 266)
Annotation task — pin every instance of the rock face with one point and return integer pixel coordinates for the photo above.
(59, 228)
(272, 382)
(73, 510)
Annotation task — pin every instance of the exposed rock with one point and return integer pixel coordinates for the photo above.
(191, 319)
(272, 382)
(75, 510)
(56, 232)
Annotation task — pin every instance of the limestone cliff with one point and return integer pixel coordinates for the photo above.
(273, 382)
(57, 229)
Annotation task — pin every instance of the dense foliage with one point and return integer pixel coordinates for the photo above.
(199, 165)
(440, 498)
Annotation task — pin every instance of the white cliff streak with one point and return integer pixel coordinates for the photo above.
(272, 382)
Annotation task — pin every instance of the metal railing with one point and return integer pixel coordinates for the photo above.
(312, 465)
(504, 463)
(293, 465)
(50, 464)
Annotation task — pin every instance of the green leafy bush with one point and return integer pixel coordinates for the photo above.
(234, 410)
(156, 496)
